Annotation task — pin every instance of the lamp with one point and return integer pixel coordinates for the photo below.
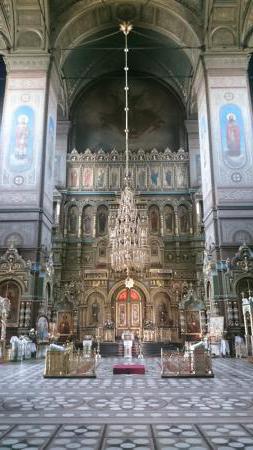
(128, 235)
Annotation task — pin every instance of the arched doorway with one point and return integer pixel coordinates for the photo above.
(128, 311)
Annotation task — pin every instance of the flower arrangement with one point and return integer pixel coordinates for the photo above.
(148, 325)
(109, 324)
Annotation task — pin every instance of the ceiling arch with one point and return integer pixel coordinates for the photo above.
(167, 16)
(167, 33)
(151, 56)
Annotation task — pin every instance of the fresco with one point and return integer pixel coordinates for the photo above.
(232, 136)
(50, 147)
(198, 168)
(21, 146)
(155, 117)
(203, 132)
(204, 150)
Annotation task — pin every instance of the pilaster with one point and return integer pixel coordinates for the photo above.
(225, 129)
(27, 151)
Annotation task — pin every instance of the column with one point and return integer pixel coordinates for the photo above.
(61, 149)
(194, 152)
(27, 152)
(225, 130)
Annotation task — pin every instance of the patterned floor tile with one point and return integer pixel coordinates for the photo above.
(195, 443)
(128, 443)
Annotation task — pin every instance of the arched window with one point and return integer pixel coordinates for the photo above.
(245, 285)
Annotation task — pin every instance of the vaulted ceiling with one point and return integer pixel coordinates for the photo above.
(83, 37)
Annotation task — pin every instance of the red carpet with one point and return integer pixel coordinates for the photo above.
(128, 369)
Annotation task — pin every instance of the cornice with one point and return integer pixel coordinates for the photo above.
(25, 62)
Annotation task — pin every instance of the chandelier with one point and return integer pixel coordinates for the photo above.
(128, 234)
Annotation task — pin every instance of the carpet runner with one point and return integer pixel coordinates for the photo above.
(128, 369)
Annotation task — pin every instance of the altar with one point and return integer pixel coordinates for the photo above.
(128, 339)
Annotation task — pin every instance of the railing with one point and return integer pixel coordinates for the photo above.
(194, 363)
(2, 351)
(69, 363)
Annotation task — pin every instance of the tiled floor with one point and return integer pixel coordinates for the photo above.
(143, 412)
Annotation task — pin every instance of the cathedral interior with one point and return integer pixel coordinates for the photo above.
(63, 166)
(99, 126)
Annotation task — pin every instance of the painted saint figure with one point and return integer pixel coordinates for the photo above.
(42, 329)
(154, 220)
(168, 178)
(87, 177)
(73, 178)
(162, 314)
(72, 221)
(142, 179)
(169, 219)
(100, 178)
(21, 137)
(102, 215)
(154, 177)
(64, 327)
(95, 311)
(233, 136)
(87, 220)
(183, 219)
(87, 224)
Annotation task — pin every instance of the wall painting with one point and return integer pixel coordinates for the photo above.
(21, 146)
(232, 136)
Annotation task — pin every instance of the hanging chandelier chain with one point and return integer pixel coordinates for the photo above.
(126, 107)
(128, 235)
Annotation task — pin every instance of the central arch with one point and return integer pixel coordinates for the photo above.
(129, 307)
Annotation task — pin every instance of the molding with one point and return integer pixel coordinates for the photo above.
(226, 61)
(26, 61)
(139, 155)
